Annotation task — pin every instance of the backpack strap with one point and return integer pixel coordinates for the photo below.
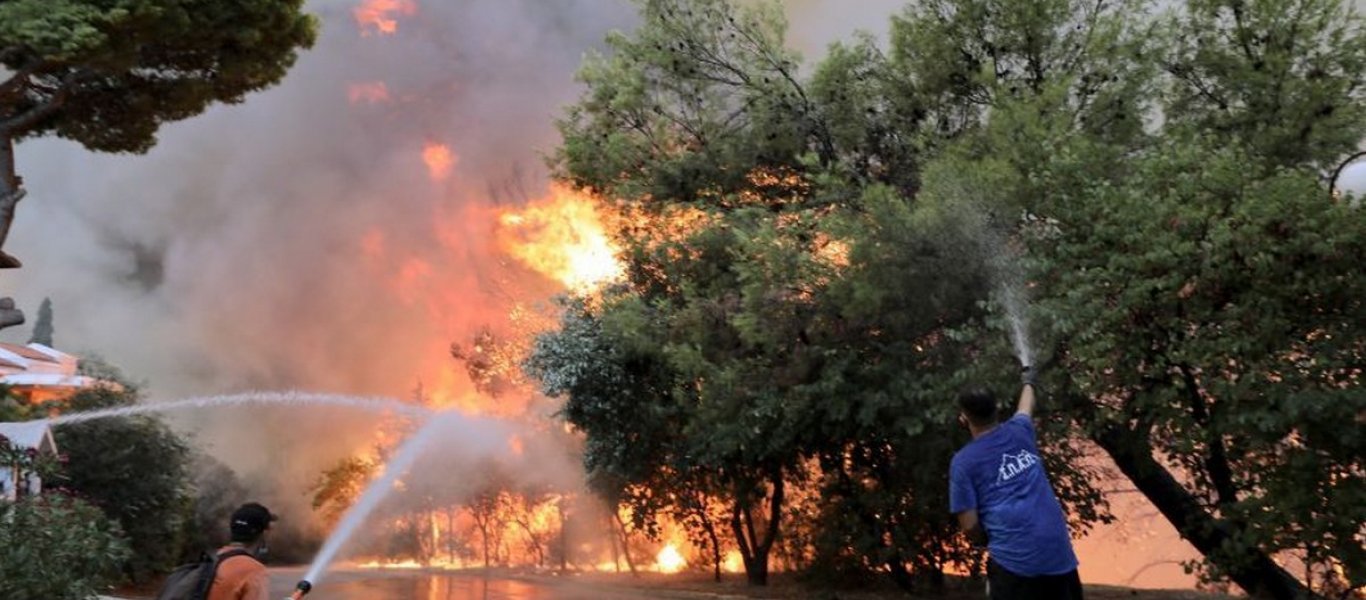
(206, 582)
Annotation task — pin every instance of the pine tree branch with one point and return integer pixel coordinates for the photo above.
(18, 124)
(27, 65)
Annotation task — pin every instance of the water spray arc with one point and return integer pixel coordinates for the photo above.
(375, 404)
(403, 460)
(1012, 299)
(1003, 262)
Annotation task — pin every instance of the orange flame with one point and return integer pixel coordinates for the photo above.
(563, 238)
(440, 160)
(378, 16)
(733, 563)
(369, 92)
(669, 560)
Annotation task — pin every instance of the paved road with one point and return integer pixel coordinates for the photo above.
(419, 585)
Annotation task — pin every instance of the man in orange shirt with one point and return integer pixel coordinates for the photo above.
(242, 576)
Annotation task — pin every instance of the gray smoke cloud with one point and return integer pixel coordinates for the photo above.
(231, 256)
(296, 240)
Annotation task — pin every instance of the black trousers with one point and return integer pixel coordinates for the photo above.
(1004, 585)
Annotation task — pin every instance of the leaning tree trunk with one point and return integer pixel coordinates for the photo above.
(715, 546)
(1255, 571)
(625, 543)
(11, 192)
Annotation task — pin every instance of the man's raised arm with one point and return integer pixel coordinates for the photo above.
(1030, 376)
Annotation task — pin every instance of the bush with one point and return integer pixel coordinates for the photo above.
(136, 469)
(54, 547)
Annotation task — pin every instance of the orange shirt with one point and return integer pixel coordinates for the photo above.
(240, 578)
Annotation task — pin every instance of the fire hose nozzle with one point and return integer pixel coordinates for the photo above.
(300, 589)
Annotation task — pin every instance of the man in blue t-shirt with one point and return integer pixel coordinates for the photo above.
(1001, 496)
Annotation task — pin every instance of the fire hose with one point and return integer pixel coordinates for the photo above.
(301, 589)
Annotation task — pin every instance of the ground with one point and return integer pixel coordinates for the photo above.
(438, 585)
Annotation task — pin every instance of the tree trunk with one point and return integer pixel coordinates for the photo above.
(900, 575)
(612, 543)
(1255, 572)
(483, 525)
(564, 536)
(450, 535)
(625, 543)
(715, 545)
(532, 540)
(896, 565)
(11, 192)
(9, 314)
(754, 551)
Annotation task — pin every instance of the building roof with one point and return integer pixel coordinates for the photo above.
(47, 380)
(53, 353)
(28, 434)
(29, 353)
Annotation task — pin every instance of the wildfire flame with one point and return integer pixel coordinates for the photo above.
(733, 563)
(563, 238)
(440, 160)
(379, 16)
(669, 560)
(369, 92)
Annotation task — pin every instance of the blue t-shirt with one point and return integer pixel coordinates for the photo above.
(1000, 474)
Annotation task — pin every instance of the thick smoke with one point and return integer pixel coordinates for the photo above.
(296, 241)
(232, 256)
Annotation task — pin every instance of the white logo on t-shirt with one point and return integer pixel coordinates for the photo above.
(1014, 464)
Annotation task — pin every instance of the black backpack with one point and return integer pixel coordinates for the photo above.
(192, 581)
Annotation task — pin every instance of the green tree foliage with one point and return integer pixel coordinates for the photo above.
(42, 329)
(135, 469)
(784, 304)
(53, 546)
(1196, 280)
(814, 266)
(108, 73)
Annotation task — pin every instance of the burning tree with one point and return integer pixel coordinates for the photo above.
(1198, 278)
(108, 75)
(739, 349)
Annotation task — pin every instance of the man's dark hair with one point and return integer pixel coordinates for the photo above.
(248, 522)
(979, 405)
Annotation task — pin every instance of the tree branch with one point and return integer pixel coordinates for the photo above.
(1249, 567)
(16, 125)
(1216, 463)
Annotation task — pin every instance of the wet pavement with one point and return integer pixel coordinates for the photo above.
(422, 585)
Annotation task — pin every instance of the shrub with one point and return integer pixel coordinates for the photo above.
(53, 547)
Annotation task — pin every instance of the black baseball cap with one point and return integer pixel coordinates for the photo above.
(250, 520)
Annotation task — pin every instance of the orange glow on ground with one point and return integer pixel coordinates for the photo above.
(439, 159)
(563, 238)
(380, 16)
(407, 564)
